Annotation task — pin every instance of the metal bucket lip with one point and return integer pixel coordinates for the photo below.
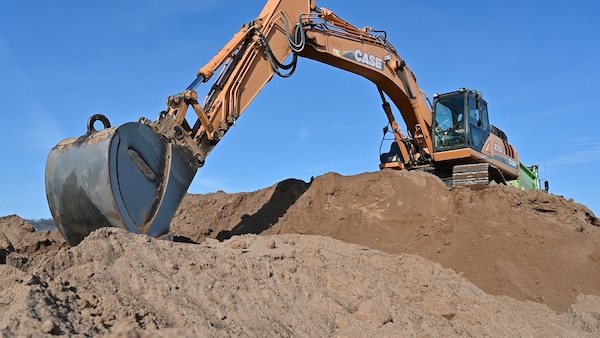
(121, 203)
(96, 137)
(123, 217)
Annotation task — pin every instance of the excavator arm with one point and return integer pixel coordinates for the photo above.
(242, 69)
(290, 29)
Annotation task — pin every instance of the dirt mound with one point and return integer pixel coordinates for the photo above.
(18, 237)
(287, 285)
(385, 254)
(527, 245)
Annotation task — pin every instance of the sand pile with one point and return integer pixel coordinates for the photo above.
(527, 245)
(378, 254)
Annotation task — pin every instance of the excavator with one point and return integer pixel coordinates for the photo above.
(134, 176)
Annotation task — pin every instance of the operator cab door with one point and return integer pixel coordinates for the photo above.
(479, 126)
(449, 129)
(460, 121)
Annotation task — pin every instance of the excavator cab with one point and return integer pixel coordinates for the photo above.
(460, 120)
(466, 146)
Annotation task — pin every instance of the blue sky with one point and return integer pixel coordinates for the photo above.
(536, 63)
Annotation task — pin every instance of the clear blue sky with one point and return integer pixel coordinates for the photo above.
(62, 61)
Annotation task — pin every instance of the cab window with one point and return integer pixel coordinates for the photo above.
(485, 121)
(474, 116)
(449, 123)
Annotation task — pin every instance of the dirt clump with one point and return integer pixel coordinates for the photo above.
(19, 239)
(388, 254)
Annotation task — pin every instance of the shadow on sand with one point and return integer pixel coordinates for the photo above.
(286, 193)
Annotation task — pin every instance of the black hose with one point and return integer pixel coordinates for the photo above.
(296, 41)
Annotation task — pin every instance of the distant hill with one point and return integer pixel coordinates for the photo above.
(42, 224)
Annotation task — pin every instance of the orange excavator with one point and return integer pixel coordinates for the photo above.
(134, 176)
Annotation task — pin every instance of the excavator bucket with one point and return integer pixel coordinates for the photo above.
(132, 177)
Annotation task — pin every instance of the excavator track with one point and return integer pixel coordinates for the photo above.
(476, 176)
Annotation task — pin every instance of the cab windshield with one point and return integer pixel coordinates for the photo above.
(449, 123)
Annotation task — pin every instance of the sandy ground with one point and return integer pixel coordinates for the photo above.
(384, 254)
